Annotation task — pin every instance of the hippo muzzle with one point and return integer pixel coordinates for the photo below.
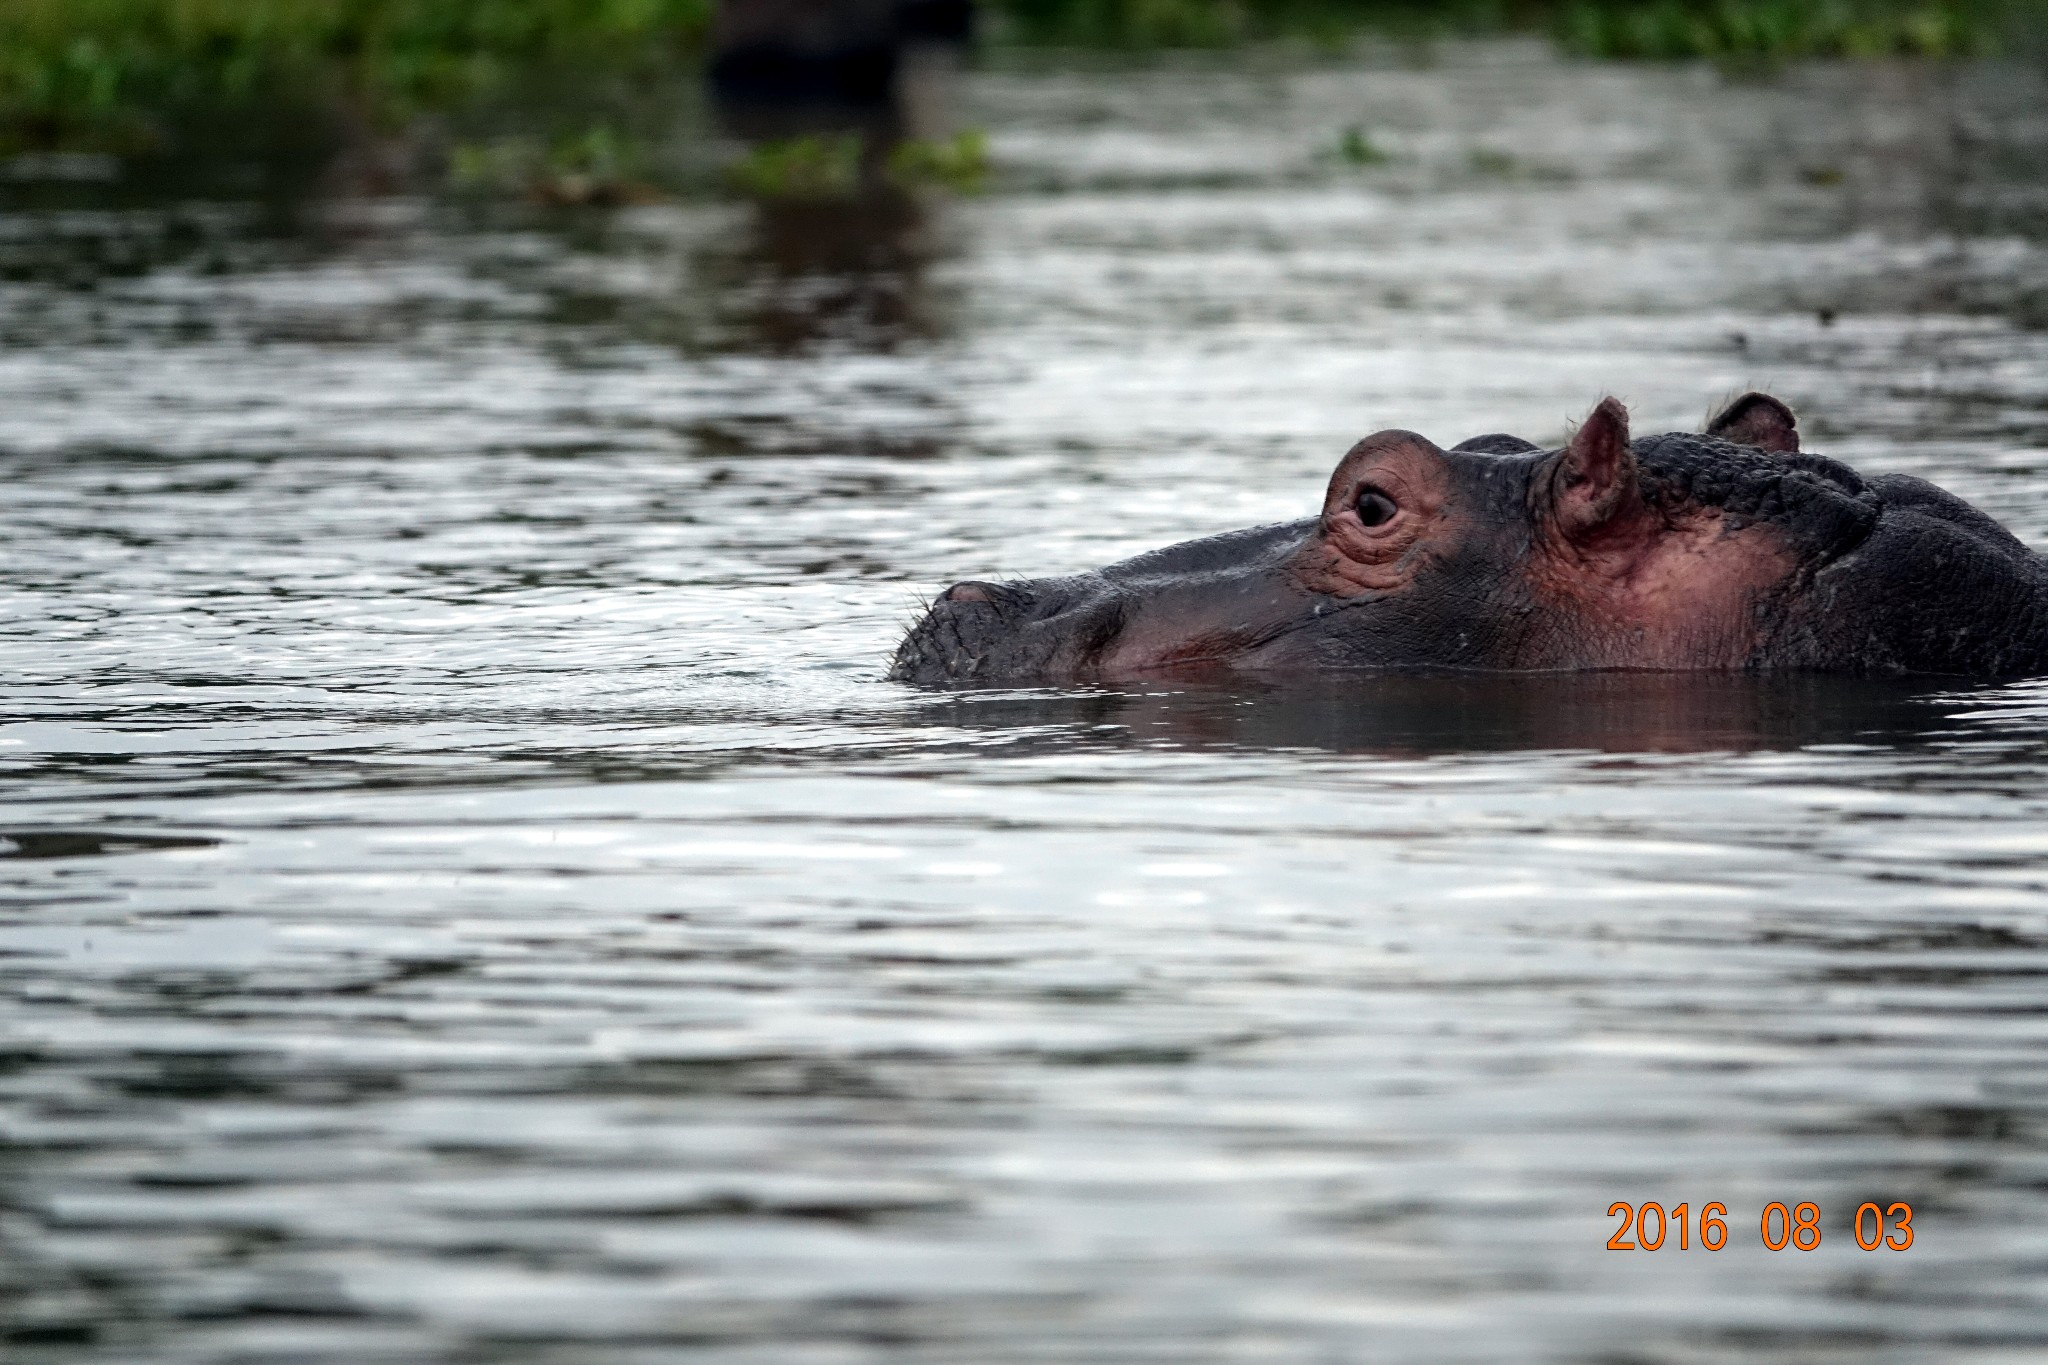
(978, 632)
(1227, 600)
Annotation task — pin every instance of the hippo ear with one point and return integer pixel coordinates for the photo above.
(1757, 419)
(1594, 478)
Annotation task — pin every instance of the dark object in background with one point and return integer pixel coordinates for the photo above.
(832, 89)
(1732, 550)
(785, 66)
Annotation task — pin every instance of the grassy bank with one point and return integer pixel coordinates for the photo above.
(1786, 29)
(133, 77)
(1779, 30)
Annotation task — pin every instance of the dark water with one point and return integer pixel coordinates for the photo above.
(468, 894)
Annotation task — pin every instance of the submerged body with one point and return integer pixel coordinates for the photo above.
(1730, 550)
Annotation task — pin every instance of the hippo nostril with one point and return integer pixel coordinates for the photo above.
(967, 592)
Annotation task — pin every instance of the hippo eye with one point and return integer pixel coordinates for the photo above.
(1374, 507)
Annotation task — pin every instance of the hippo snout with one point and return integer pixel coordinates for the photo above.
(980, 631)
(968, 624)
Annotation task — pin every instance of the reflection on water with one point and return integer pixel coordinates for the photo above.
(1422, 714)
(847, 274)
(467, 893)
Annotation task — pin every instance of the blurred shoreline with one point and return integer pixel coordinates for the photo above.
(563, 102)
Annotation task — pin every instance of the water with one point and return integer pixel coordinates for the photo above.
(469, 894)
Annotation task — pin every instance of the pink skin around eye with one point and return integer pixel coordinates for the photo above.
(1350, 557)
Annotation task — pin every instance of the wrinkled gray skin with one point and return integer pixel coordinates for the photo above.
(1881, 575)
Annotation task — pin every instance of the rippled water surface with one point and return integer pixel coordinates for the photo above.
(468, 893)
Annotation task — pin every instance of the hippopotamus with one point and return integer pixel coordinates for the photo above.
(1730, 550)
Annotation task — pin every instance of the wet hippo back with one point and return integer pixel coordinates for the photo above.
(1936, 587)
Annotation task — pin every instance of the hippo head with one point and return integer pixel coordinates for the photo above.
(1728, 550)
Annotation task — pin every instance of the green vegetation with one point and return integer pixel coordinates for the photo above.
(805, 168)
(820, 168)
(141, 78)
(1356, 148)
(593, 165)
(959, 163)
(1146, 24)
(1780, 30)
(1721, 29)
(128, 75)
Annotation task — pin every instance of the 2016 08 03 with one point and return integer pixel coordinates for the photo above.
(1649, 1226)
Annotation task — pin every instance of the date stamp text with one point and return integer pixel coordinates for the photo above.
(1651, 1227)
